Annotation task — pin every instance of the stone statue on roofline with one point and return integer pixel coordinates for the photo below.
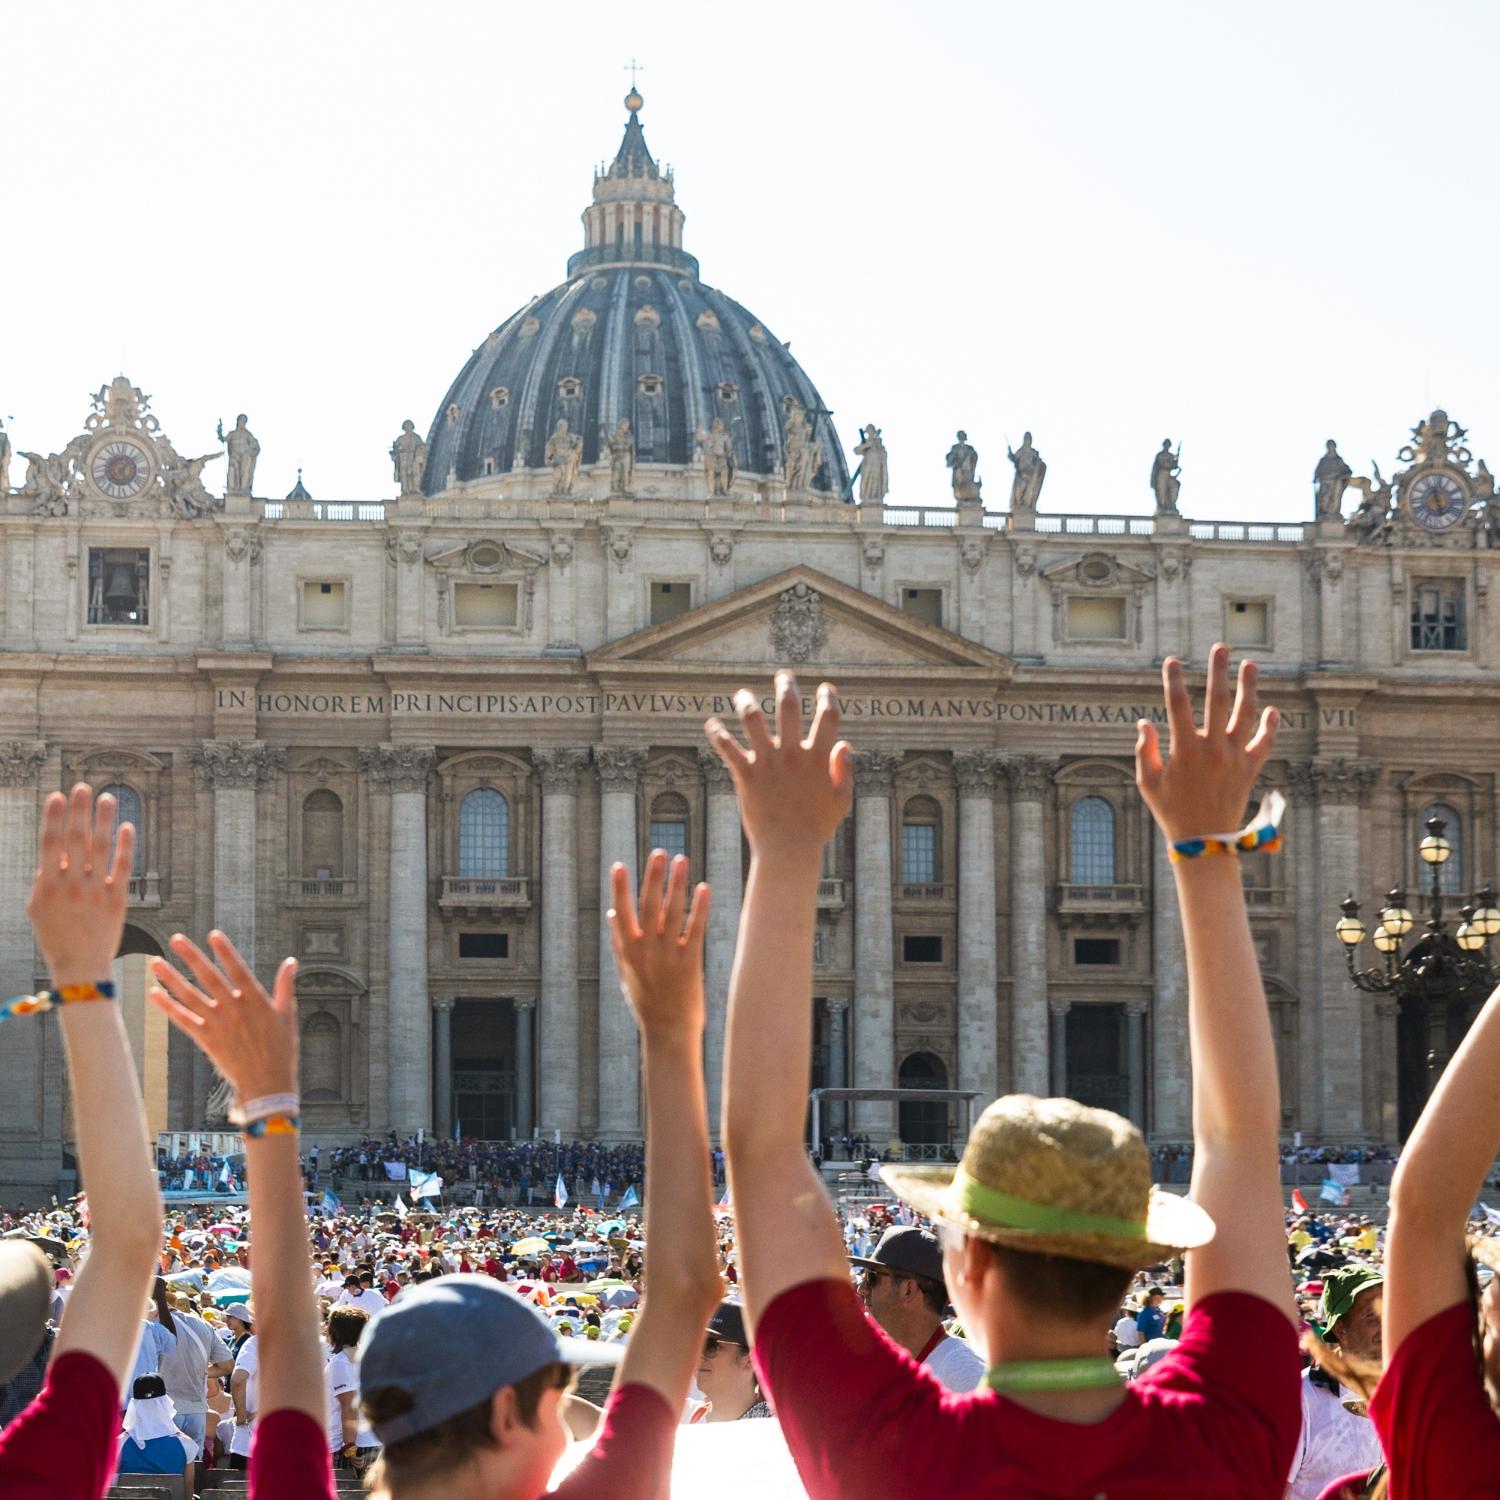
(717, 448)
(621, 458)
(1165, 484)
(409, 459)
(964, 462)
(1031, 470)
(243, 452)
(1330, 479)
(563, 454)
(874, 476)
(799, 448)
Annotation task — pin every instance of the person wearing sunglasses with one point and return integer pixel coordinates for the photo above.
(725, 1374)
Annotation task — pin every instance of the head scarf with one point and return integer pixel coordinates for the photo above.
(152, 1418)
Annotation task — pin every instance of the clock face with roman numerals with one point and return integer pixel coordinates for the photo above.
(120, 468)
(1437, 501)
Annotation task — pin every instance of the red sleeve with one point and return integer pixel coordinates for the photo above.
(1440, 1436)
(632, 1456)
(62, 1447)
(1239, 1358)
(855, 1410)
(289, 1458)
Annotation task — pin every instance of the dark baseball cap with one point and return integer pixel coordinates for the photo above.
(908, 1249)
(728, 1323)
(488, 1337)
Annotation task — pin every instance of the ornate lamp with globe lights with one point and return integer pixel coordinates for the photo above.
(1439, 970)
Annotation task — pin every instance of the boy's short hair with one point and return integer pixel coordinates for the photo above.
(1059, 1286)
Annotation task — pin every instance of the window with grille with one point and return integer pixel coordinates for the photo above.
(1437, 615)
(919, 854)
(1451, 873)
(484, 835)
(1093, 842)
(322, 836)
(128, 810)
(669, 834)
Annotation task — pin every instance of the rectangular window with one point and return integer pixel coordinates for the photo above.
(671, 836)
(921, 949)
(324, 605)
(668, 600)
(1094, 618)
(1096, 950)
(119, 586)
(924, 604)
(918, 854)
(1437, 615)
(484, 945)
(1247, 622)
(486, 606)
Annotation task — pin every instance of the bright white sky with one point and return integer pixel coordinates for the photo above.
(1248, 227)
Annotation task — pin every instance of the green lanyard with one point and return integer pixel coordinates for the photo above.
(1053, 1375)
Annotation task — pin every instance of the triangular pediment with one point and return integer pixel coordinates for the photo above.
(805, 619)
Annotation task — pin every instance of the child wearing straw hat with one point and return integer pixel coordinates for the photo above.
(1051, 1211)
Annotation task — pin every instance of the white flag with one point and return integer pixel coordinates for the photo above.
(400, 1207)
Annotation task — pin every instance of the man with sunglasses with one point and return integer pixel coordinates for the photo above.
(904, 1293)
(724, 1374)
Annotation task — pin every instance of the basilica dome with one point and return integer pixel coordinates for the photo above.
(633, 333)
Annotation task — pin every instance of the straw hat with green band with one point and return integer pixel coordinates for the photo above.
(1056, 1178)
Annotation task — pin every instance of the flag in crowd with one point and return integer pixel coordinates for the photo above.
(400, 1207)
(395, 1171)
(424, 1184)
(1298, 1201)
(560, 1193)
(630, 1199)
(331, 1204)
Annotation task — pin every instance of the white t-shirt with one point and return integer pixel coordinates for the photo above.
(956, 1365)
(369, 1300)
(1127, 1335)
(339, 1376)
(1333, 1442)
(248, 1359)
(185, 1368)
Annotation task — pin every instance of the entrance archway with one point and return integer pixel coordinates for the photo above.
(921, 1123)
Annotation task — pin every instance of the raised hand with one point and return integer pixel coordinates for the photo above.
(793, 792)
(249, 1036)
(1207, 780)
(660, 961)
(77, 905)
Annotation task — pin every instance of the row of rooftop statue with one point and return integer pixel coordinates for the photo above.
(123, 450)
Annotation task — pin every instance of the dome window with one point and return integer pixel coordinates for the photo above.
(647, 317)
(489, 464)
(529, 328)
(707, 322)
(570, 388)
(584, 320)
(728, 391)
(499, 397)
(642, 283)
(757, 333)
(453, 414)
(649, 385)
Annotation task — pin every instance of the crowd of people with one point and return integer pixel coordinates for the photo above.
(1036, 1319)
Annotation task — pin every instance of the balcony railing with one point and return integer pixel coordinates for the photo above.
(917, 890)
(1072, 897)
(321, 888)
(830, 894)
(1264, 895)
(486, 892)
(145, 890)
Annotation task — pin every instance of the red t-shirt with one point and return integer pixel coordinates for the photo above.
(1217, 1418)
(289, 1458)
(1440, 1436)
(65, 1445)
(632, 1455)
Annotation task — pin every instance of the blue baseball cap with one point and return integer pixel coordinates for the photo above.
(488, 1337)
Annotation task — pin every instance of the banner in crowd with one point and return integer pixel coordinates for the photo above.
(395, 1171)
(1345, 1173)
(331, 1204)
(1335, 1192)
(424, 1184)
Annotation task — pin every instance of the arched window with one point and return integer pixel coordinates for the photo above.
(484, 835)
(1451, 874)
(669, 824)
(129, 811)
(322, 1058)
(921, 856)
(322, 836)
(1092, 842)
(923, 1124)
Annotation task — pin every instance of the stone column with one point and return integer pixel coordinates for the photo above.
(1172, 1084)
(1029, 778)
(21, 1056)
(975, 771)
(836, 1116)
(403, 770)
(619, 768)
(1057, 1031)
(525, 1008)
(723, 867)
(1300, 876)
(1343, 785)
(1135, 1061)
(442, 1066)
(558, 1040)
(875, 996)
(242, 549)
(562, 629)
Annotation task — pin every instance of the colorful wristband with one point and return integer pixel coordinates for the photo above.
(273, 1125)
(1263, 835)
(263, 1108)
(66, 994)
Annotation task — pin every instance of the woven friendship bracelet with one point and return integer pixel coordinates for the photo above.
(273, 1125)
(66, 994)
(263, 1108)
(1263, 835)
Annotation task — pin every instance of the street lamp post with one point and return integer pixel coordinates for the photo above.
(1439, 969)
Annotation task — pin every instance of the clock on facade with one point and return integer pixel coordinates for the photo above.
(1437, 501)
(120, 468)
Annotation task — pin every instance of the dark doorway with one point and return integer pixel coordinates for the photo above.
(1420, 1031)
(924, 1124)
(1096, 1057)
(484, 1069)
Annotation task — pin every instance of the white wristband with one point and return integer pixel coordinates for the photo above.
(263, 1108)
